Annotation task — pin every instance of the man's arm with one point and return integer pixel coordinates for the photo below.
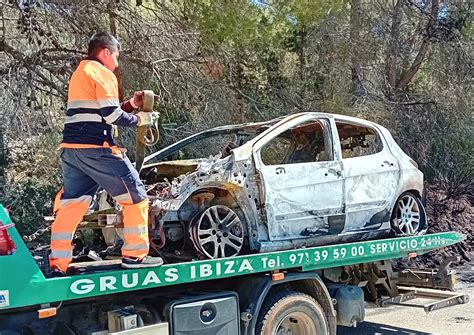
(117, 116)
(133, 103)
(110, 107)
(127, 106)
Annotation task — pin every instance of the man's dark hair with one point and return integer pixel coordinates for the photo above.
(101, 41)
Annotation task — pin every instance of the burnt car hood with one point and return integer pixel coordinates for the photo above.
(188, 176)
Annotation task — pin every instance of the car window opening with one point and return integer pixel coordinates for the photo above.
(357, 141)
(304, 144)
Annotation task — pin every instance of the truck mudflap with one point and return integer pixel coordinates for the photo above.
(22, 283)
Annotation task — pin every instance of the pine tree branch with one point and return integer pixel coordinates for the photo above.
(424, 48)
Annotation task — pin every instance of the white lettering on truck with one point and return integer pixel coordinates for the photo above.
(218, 269)
(107, 283)
(151, 277)
(134, 282)
(171, 275)
(82, 286)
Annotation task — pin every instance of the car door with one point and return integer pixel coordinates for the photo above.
(302, 185)
(371, 175)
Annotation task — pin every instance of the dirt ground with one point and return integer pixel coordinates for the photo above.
(450, 214)
(398, 320)
(444, 214)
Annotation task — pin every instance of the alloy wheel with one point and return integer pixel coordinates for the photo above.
(408, 215)
(217, 232)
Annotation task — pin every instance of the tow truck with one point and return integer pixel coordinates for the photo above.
(304, 291)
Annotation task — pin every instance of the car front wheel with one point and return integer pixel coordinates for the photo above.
(409, 216)
(217, 232)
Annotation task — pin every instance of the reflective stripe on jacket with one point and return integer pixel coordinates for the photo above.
(93, 106)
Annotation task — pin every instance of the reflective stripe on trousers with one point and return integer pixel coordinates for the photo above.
(83, 171)
(135, 219)
(135, 236)
(69, 215)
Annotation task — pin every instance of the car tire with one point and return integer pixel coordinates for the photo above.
(217, 232)
(293, 312)
(409, 216)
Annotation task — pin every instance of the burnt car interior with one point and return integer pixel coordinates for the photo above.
(185, 156)
(358, 140)
(306, 143)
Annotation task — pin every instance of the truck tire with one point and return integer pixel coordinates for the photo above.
(291, 312)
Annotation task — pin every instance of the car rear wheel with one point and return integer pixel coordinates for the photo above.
(409, 216)
(290, 312)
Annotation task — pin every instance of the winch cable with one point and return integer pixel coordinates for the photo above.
(146, 135)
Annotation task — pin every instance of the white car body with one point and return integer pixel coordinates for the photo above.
(337, 196)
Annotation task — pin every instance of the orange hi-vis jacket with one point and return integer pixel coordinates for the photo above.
(93, 107)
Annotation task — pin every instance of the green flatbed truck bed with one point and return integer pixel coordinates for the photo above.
(23, 285)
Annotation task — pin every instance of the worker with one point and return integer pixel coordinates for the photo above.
(90, 158)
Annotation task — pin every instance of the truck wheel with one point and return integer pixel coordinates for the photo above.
(291, 312)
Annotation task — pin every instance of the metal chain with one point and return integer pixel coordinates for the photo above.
(36, 234)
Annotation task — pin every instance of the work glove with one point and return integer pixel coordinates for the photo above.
(148, 118)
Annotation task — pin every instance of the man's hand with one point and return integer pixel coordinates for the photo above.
(137, 100)
(147, 119)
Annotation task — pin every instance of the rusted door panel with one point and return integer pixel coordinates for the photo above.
(303, 199)
(370, 187)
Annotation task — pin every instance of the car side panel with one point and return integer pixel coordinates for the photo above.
(371, 184)
(303, 200)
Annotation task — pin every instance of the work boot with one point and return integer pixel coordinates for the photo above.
(145, 262)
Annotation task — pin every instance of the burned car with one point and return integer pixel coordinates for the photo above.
(303, 180)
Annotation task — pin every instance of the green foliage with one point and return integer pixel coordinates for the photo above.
(232, 22)
(451, 153)
(307, 13)
(32, 179)
(216, 62)
(29, 200)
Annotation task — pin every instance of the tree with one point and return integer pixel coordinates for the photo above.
(404, 63)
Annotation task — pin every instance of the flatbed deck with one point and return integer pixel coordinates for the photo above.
(23, 284)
